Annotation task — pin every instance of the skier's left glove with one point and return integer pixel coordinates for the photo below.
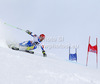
(44, 54)
(27, 31)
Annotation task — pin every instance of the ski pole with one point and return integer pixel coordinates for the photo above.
(14, 27)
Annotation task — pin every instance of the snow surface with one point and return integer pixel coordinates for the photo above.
(24, 68)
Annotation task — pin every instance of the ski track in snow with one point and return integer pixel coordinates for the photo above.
(24, 68)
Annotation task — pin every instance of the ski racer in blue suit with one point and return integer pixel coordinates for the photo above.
(37, 41)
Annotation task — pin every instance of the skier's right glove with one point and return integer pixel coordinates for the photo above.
(27, 31)
(44, 54)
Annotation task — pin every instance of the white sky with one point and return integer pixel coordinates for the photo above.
(75, 20)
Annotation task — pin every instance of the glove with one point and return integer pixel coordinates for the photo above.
(27, 31)
(44, 54)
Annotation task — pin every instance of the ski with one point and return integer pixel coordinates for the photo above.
(31, 52)
(15, 48)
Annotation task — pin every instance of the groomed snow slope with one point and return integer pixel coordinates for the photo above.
(23, 68)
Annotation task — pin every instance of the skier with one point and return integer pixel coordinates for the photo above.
(31, 45)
